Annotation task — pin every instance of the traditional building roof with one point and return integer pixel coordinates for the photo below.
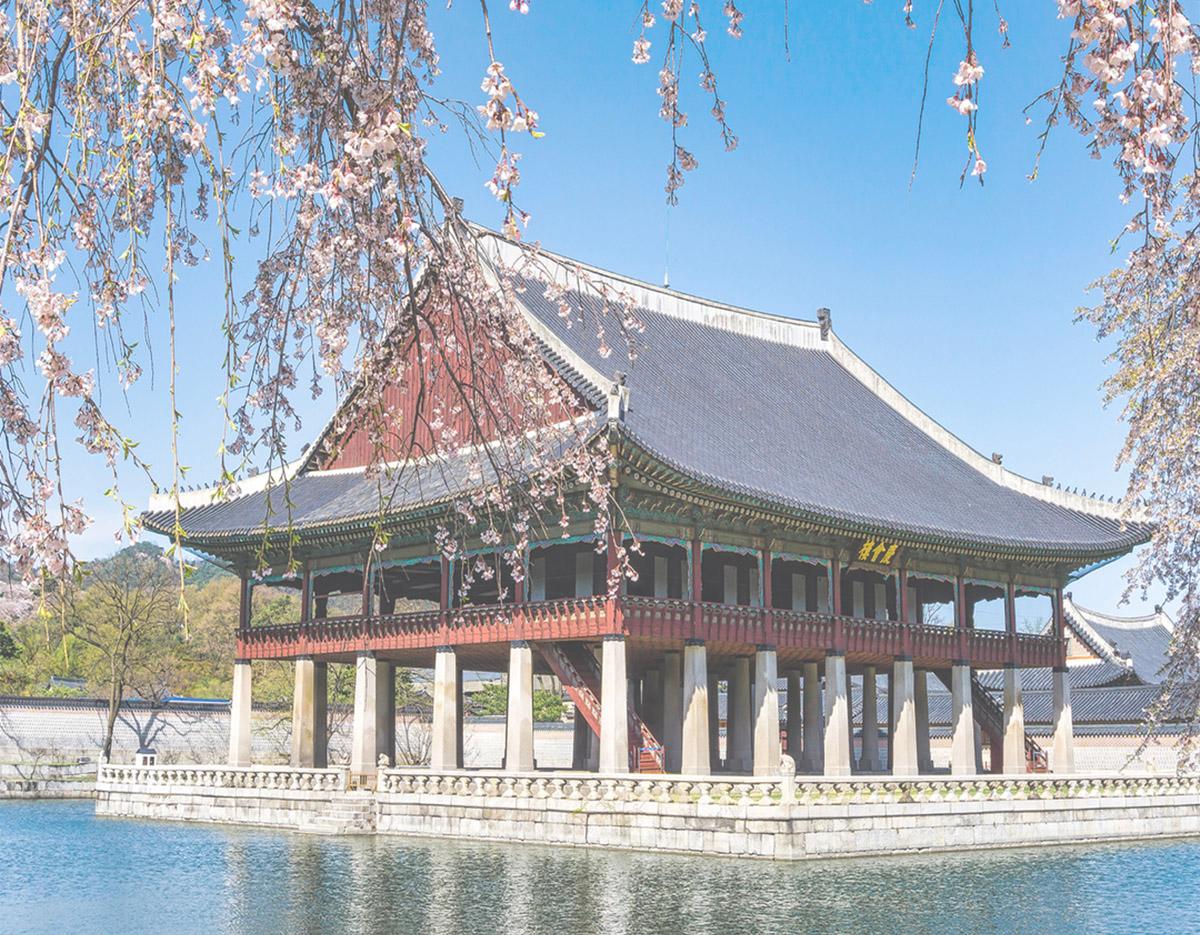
(1141, 644)
(754, 407)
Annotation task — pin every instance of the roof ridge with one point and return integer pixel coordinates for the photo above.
(1121, 623)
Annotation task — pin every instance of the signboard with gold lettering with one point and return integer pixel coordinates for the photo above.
(877, 551)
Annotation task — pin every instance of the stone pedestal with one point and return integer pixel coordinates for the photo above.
(304, 713)
(739, 736)
(921, 706)
(446, 749)
(766, 712)
(364, 731)
(814, 720)
(694, 747)
(869, 762)
(837, 716)
(239, 715)
(518, 733)
(614, 707)
(962, 722)
(902, 749)
(795, 718)
(1063, 756)
(1014, 721)
(672, 709)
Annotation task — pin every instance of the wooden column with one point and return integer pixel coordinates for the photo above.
(697, 585)
(960, 616)
(1060, 626)
(305, 595)
(1010, 619)
(244, 604)
(835, 604)
(768, 617)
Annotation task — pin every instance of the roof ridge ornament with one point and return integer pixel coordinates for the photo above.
(618, 397)
(825, 320)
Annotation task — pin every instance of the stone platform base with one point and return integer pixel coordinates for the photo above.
(759, 818)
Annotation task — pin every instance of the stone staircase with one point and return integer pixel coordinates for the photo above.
(350, 813)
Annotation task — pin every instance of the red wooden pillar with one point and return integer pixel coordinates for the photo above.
(616, 622)
(366, 587)
(697, 585)
(768, 616)
(1059, 628)
(835, 603)
(244, 604)
(902, 609)
(1010, 619)
(960, 616)
(305, 595)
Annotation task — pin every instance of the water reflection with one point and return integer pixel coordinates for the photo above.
(73, 872)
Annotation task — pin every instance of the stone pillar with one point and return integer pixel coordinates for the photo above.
(869, 762)
(1063, 757)
(921, 708)
(518, 725)
(814, 720)
(837, 716)
(445, 749)
(1014, 721)
(652, 698)
(962, 723)
(363, 758)
(385, 711)
(614, 707)
(320, 714)
(714, 721)
(795, 718)
(766, 712)
(580, 737)
(902, 744)
(694, 745)
(304, 713)
(739, 736)
(672, 709)
(239, 715)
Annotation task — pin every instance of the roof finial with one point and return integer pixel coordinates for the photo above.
(825, 320)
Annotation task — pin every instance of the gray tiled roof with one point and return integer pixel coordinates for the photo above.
(1085, 676)
(791, 425)
(1145, 641)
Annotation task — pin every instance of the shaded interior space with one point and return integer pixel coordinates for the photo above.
(728, 577)
(661, 570)
(337, 593)
(570, 569)
(799, 585)
(931, 601)
(482, 579)
(409, 588)
(868, 595)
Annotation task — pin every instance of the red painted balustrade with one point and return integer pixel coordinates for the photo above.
(649, 618)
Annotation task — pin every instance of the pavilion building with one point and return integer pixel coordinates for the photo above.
(800, 522)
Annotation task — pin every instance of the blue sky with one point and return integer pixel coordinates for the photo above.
(963, 298)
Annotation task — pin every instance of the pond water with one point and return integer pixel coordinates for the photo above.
(65, 870)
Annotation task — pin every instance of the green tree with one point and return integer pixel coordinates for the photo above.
(492, 699)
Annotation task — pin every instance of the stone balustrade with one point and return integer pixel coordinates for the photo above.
(112, 777)
(782, 791)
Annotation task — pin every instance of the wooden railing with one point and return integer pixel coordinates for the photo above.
(656, 618)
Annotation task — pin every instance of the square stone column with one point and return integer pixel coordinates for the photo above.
(239, 715)
(921, 707)
(814, 720)
(445, 751)
(795, 718)
(694, 744)
(837, 716)
(714, 721)
(903, 742)
(962, 722)
(518, 725)
(1063, 757)
(320, 714)
(739, 736)
(304, 713)
(364, 731)
(385, 711)
(766, 712)
(672, 709)
(870, 762)
(1014, 721)
(614, 707)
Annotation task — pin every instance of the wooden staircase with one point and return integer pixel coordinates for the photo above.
(990, 715)
(579, 673)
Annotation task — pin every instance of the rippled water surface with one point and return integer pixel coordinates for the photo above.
(64, 870)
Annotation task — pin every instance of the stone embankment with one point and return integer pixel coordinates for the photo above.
(47, 780)
(773, 818)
